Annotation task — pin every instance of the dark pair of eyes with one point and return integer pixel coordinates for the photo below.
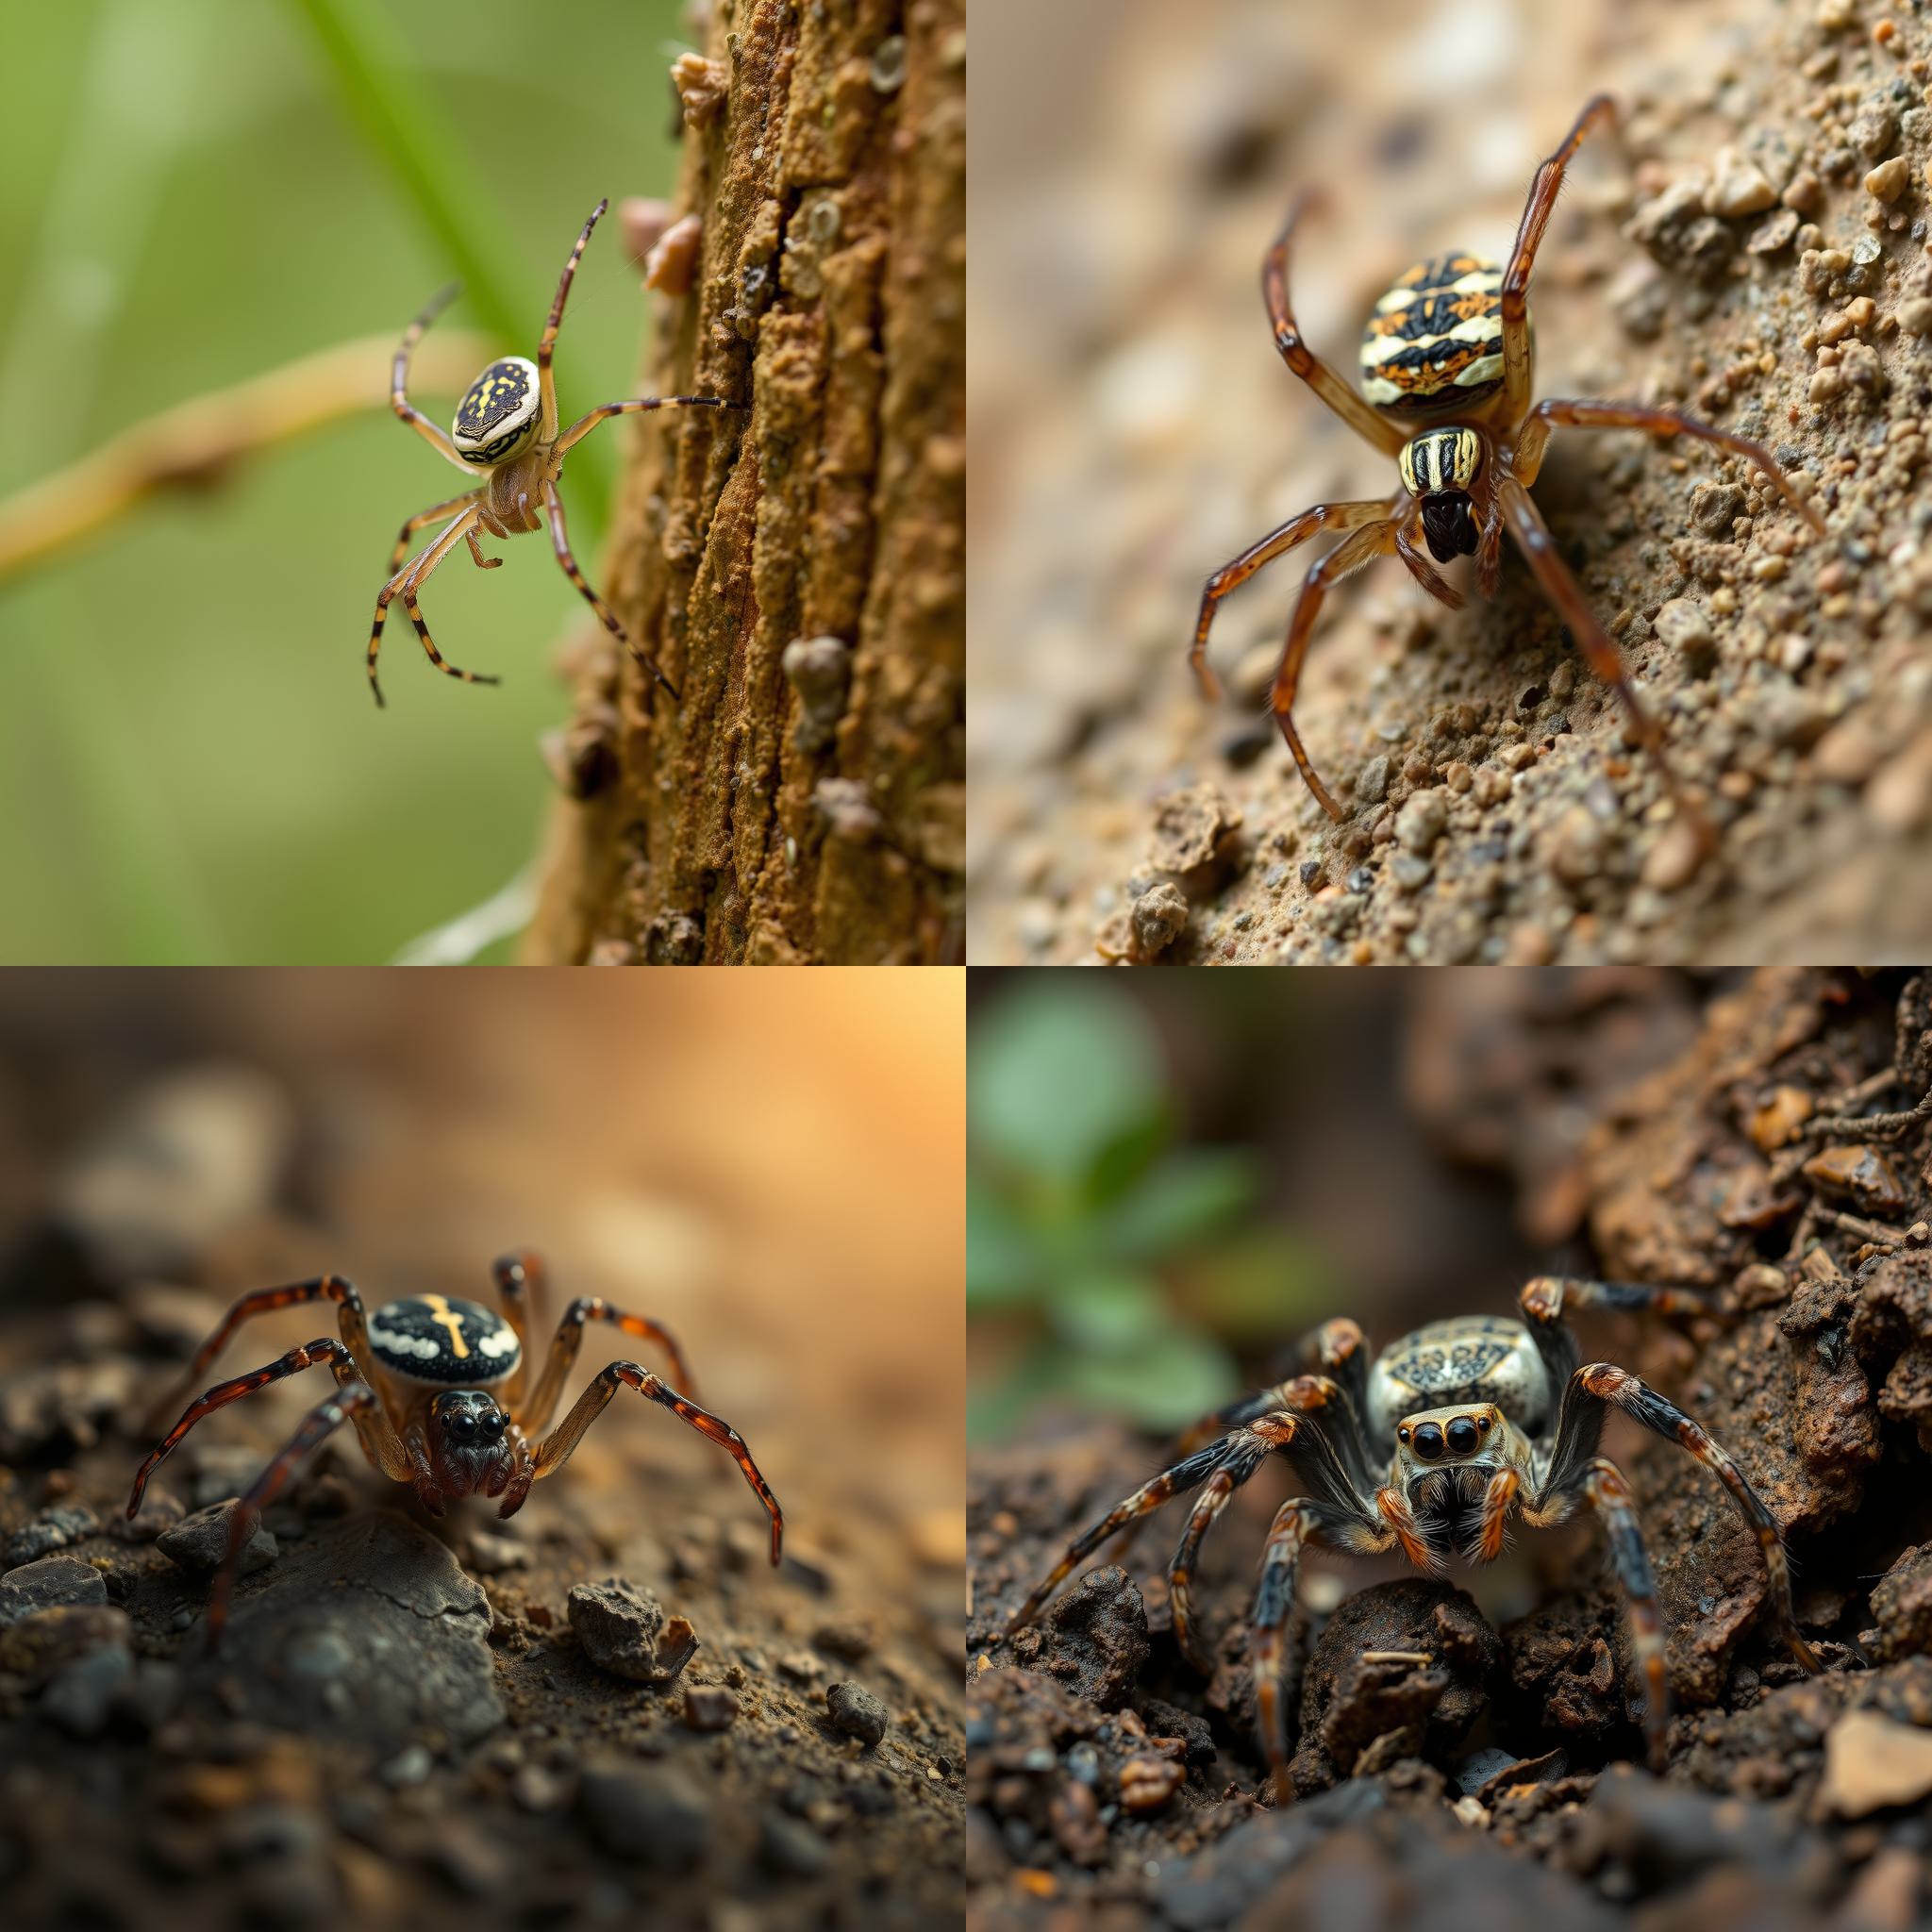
(465, 1427)
(1460, 1438)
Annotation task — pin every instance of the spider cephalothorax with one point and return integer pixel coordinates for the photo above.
(1450, 344)
(506, 426)
(1429, 1449)
(436, 1389)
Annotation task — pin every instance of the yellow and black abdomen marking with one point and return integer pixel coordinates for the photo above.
(1440, 460)
(1435, 341)
(499, 413)
(429, 1337)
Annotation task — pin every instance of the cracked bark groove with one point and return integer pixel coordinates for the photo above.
(829, 295)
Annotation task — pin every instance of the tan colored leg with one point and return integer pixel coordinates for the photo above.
(560, 538)
(570, 1338)
(399, 378)
(545, 381)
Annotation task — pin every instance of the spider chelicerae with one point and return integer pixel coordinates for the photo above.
(1446, 363)
(504, 426)
(1455, 1427)
(436, 1389)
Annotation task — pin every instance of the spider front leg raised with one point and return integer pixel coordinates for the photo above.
(399, 379)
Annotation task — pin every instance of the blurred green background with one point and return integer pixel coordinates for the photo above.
(1171, 1178)
(191, 193)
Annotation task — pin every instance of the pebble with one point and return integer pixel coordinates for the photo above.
(1886, 181)
(536, 1789)
(789, 1850)
(1861, 1174)
(51, 1581)
(78, 1698)
(51, 1532)
(491, 1556)
(1737, 188)
(650, 1815)
(1160, 916)
(1915, 316)
(1422, 821)
(623, 1630)
(1371, 781)
(1684, 625)
(710, 1707)
(409, 1766)
(199, 1542)
(1147, 1781)
(857, 1713)
(1872, 1762)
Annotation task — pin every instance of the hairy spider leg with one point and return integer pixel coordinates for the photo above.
(399, 398)
(1517, 346)
(569, 1337)
(519, 1280)
(429, 516)
(1368, 543)
(560, 538)
(557, 1447)
(1375, 429)
(353, 1399)
(1337, 517)
(405, 583)
(1609, 1497)
(1532, 537)
(1532, 440)
(1241, 1463)
(378, 1437)
(546, 383)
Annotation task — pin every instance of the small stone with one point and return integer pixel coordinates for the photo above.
(1422, 821)
(857, 1713)
(623, 1630)
(819, 671)
(1193, 834)
(652, 1816)
(710, 1707)
(1774, 234)
(1861, 1174)
(1737, 187)
(672, 264)
(536, 1789)
(1872, 1762)
(53, 1580)
(1371, 781)
(1836, 15)
(1684, 625)
(1775, 1123)
(1147, 1781)
(1576, 846)
(199, 1542)
(1886, 181)
(78, 1698)
(409, 1766)
(789, 1850)
(801, 1666)
(1827, 385)
(1673, 863)
(51, 1532)
(491, 1556)
(1160, 916)
(1915, 315)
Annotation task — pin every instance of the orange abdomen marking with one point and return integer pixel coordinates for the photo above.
(1435, 341)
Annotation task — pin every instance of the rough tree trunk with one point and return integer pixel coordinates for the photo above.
(769, 816)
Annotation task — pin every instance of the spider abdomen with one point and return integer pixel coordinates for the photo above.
(500, 412)
(433, 1339)
(1471, 1359)
(1435, 341)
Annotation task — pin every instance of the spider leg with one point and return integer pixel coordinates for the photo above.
(1325, 516)
(570, 1338)
(429, 516)
(1303, 361)
(1534, 437)
(520, 1279)
(1542, 1303)
(1532, 537)
(353, 1399)
(559, 538)
(1591, 1394)
(482, 562)
(546, 383)
(584, 425)
(556, 1449)
(379, 1439)
(1499, 1498)
(1214, 1497)
(399, 379)
(1609, 1497)
(1419, 566)
(351, 1322)
(1368, 543)
(1517, 343)
(405, 584)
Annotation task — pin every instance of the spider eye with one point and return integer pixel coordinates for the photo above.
(1428, 1441)
(461, 1425)
(493, 1423)
(1462, 1435)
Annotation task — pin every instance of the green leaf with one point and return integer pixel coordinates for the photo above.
(1172, 1379)
(1188, 1196)
(1265, 1287)
(1004, 1266)
(1120, 1165)
(997, 1411)
(1057, 1073)
(1110, 1313)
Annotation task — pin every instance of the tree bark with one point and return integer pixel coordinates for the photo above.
(810, 808)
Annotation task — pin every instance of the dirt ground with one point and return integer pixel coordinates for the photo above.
(1750, 247)
(413, 1722)
(1469, 1757)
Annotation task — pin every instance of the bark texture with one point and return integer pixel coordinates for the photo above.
(810, 808)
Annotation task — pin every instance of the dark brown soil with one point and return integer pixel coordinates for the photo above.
(1473, 1765)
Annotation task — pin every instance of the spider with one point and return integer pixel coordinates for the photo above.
(435, 1389)
(506, 425)
(1446, 362)
(1454, 1427)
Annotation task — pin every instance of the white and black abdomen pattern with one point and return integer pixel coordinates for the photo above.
(1471, 1359)
(429, 1337)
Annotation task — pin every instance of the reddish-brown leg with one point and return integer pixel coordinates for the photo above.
(519, 1288)
(1532, 537)
(1337, 517)
(1517, 346)
(1303, 361)
(570, 1338)
(1534, 437)
(353, 1399)
(557, 1446)
(379, 1441)
(1372, 541)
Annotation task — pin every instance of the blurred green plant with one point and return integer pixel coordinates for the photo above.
(1119, 1259)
